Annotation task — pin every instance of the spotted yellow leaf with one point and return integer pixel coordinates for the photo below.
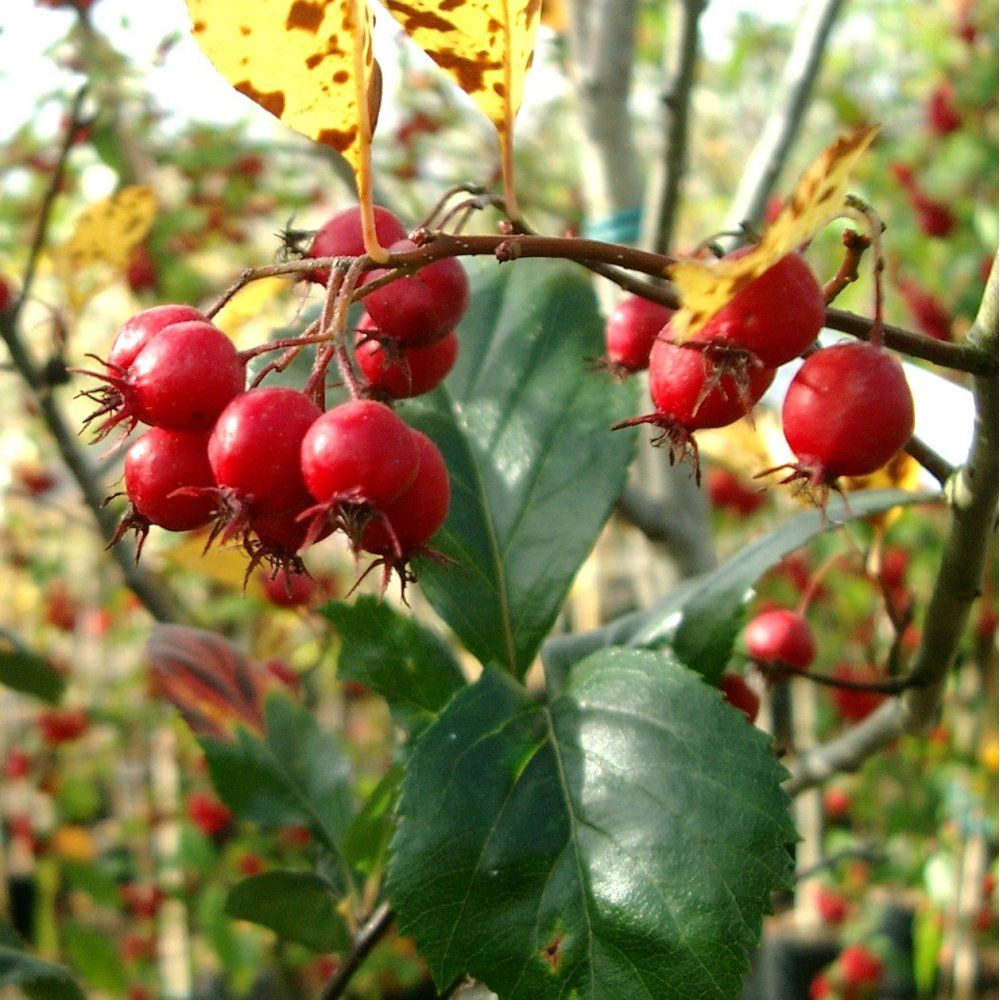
(307, 62)
(706, 286)
(486, 46)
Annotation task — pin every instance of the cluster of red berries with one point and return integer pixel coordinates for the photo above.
(856, 974)
(266, 464)
(716, 377)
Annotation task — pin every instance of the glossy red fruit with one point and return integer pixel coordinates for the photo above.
(860, 967)
(210, 815)
(254, 449)
(853, 705)
(359, 452)
(847, 411)
(160, 463)
(687, 387)
(398, 372)
(777, 316)
(341, 236)
(780, 638)
(289, 590)
(942, 112)
(137, 331)
(739, 694)
(831, 906)
(731, 492)
(418, 512)
(62, 725)
(420, 308)
(630, 331)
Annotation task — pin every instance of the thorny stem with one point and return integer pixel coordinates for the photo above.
(373, 930)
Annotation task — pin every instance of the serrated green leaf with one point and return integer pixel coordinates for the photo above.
(296, 774)
(406, 663)
(622, 843)
(24, 671)
(297, 906)
(701, 618)
(524, 427)
(36, 977)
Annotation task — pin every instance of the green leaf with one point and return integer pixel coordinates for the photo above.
(535, 469)
(95, 956)
(701, 618)
(36, 977)
(622, 843)
(368, 838)
(24, 671)
(297, 906)
(295, 774)
(406, 663)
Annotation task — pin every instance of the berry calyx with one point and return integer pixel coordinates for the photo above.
(341, 236)
(394, 371)
(847, 412)
(420, 308)
(630, 332)
(776, 317)
(780, 639)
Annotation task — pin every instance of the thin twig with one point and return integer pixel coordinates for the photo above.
(779, 134)
(663, 192)
(938, 466)
(855, 244)
(48, 200)
(369, 935)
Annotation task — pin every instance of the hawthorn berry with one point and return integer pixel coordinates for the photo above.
(359, 453)
(776, 317)
(140, 273)
(860, 967)
(209, 814)
(62, 725)
(848, 410)
(6, 295)
(407, 524)
(137, 331)
(160, 463)
(17, 764)
(630, 332)
(289, 591)
(942, 113)
(780, 638)
(728, 491)
(181, 379)
(928, 312)
(739, 694)
(420, 308)
(254, 450)
(397, 372)
(851, 704)
(341, 236)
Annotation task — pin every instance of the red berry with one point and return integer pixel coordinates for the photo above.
(832, 906)
(142, 901)
(142, 327)
(6, 295)
(929, 314)
(418, 512)
(62, 725)
(289, 590)
(631, 330)
(162, 462)
(777, 316)
(895, 562)
(140, 273)
(934, 217)
(942, 114)
(853, 705)
(820, 988)
(399, 372)
(17, 764)
(739, 694)
(847, 411)
(250, 864)
(860, 967)
(341, 236)
(836, 803)
(729, 491)
(359, 452)
(207, 813)
(61, 607)
(686, 386)
(420, 308)
(255, 446)
(780, 638)
(281, 671)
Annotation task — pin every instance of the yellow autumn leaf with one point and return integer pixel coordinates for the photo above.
(105, 234)
(705, 286)
(486, 46)
(310, 64)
